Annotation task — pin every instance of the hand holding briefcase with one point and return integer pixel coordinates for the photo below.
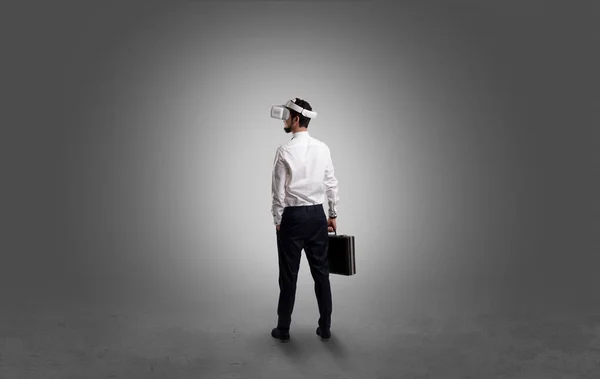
(341, 254)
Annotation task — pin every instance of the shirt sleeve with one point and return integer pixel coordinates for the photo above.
(278, 186)
(331, 187)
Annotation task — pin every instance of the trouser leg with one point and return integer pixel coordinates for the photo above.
(316, 253)
(289, 250)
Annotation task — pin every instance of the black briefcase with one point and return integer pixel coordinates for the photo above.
(341, 254)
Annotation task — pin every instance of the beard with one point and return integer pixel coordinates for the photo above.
(287, 130)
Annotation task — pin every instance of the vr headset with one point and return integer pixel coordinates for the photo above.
(282, 112)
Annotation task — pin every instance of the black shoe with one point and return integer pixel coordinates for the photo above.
(282, 335)
(325, 334)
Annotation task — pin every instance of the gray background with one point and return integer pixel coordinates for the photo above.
(137, 151)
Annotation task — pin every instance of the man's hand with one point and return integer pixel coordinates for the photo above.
(331, 224)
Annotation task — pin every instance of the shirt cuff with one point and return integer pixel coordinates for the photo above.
(332, 209)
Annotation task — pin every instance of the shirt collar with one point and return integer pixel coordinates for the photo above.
(301, 134)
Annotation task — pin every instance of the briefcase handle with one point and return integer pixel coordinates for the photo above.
(335, 231)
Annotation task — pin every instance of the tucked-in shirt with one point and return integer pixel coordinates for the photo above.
(303, 174)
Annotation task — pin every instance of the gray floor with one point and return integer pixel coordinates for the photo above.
(201, 341)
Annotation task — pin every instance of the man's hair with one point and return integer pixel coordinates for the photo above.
(302, 104)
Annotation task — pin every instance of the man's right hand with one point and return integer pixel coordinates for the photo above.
(331, 224)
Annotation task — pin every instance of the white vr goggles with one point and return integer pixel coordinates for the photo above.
(282, 112)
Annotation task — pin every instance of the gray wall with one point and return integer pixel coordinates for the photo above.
(137, 150)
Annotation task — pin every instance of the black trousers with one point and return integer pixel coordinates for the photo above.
(303, 227)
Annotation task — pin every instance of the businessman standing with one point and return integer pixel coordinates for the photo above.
(303, 177)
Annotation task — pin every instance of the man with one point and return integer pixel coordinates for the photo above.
(303, 175)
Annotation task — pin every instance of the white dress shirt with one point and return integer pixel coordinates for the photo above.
(303, 174)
